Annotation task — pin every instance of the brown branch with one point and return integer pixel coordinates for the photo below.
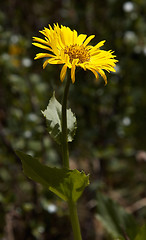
(137, 205)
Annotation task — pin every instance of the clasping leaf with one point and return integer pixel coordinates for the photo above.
(67, 184)
(53, 117)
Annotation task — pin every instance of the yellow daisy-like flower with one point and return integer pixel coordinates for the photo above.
(72, 50)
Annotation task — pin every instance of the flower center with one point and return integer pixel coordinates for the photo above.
(77, 52)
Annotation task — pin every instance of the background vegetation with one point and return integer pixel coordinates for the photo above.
(111, 137)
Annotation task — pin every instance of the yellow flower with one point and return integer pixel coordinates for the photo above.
(72, 50)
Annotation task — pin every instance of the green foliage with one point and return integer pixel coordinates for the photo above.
(53, 117)
(111, 119)
(66, 184)
(141, 235)
(115, 219)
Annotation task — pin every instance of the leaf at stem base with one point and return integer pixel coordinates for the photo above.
(66, 184)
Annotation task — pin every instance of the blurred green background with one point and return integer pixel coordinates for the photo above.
(110, 143)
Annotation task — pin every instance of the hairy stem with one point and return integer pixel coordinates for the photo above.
(65, 154)
(74, 220)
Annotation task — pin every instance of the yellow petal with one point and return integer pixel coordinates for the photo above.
(40, 40)
(95, 73)
(45, 63)
(63, 72)
(55, 61)
(66, 47)
(81, 38)
(75, 34)
(88, 40)
(42, 46)
(67, 36)
(82, 65)
(100, 44)
(73, 73)
(41, 55)
(43, 32)
(101, 72)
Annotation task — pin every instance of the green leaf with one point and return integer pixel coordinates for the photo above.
(115, 219)
(53, 117)
(67, 184)
(141, 234)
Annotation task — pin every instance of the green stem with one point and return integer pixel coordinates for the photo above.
(65, 152)
(65, 155)
(74, 221)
